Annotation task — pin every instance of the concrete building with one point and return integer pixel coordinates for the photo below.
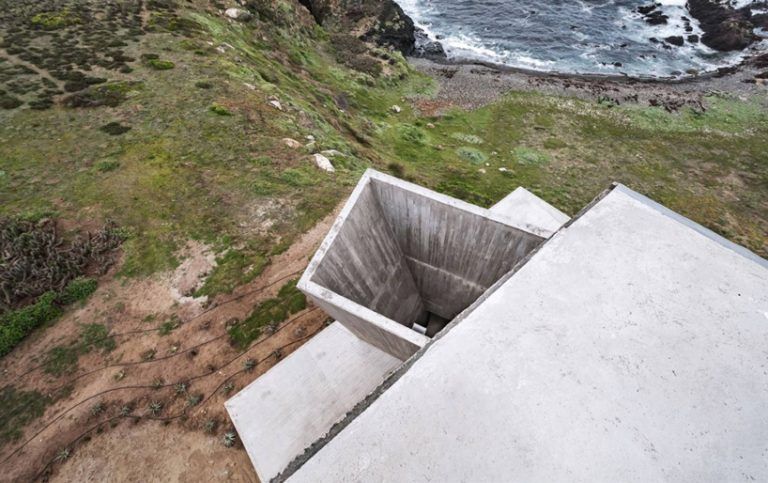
(626, 344)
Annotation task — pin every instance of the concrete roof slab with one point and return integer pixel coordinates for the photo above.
(296, 402)
(526, 209)
(630, 347)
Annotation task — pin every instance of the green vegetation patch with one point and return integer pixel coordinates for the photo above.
(220, 110)
(114, 128)
(523, 155)
(17, 409)
(234, 268)
(55, 20)
(473, 155)
(63, 359)
(288, 301)
(15, 325)
(467, 138)
(111, 95)
(160, 64)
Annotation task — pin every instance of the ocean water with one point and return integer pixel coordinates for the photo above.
(567, 36)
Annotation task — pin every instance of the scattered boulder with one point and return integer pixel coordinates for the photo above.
(646, 9)
(675, 40)
(331, 153)
(323, 163)
(725, 28)
(760, 61)
(760, 20)
(276, 104)
(291, 143)
(396, 109)
(694, 39)
(652, 14)
(238, 14)
(380, 21)
(428, 48)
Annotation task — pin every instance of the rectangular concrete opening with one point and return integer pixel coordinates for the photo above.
(417, 257)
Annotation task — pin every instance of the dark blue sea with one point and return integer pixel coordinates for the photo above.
(569, 36)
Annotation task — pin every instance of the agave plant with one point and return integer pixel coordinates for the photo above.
(209, 426)
(228, 387)
(155, 407)
(62, 455)
(249, 365)
(97, 409)
(229, 439)
(180, 388)
(277, 354)
(125, 411)
(194, 399)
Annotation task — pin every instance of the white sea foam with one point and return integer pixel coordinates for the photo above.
(588, 38)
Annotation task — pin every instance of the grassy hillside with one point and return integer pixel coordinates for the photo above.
(178, 123)
(188, 141)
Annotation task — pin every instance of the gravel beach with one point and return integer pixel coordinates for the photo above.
(470, 86)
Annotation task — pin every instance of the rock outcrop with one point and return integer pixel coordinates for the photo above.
(380, 21)
(725, 28)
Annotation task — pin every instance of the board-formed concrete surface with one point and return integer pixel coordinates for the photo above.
(632, 346)
(525, 208)
(399, 251)
(297, 401)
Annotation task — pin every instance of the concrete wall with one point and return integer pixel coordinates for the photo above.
(365, 264)
(393, 338)
(454, 255)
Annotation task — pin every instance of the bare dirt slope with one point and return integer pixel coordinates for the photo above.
(105, 429)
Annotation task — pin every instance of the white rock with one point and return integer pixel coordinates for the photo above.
(291, 143)
(249, 86)
(430, 125)
(330, 153)
(276, 105)
(238, 14)
(396, 109)
(324, 163)
(309, 137)
(503, 170)
(481, 170)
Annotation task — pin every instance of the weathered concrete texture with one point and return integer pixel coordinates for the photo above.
(453, 254)
(630, 347)
(398, 250)
(526, 209)
(372, 327)
(298, 400)
(366, 265)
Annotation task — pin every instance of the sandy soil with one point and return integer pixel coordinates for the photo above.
(471, 86)
(171, 445)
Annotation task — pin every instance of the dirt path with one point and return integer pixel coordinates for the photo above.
(104, 430)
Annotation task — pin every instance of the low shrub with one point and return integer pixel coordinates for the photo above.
(159, 64)
(77, 290)
(15, 325)
(220, 110)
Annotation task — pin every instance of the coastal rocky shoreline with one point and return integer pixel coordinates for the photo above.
(725, 29)
(471, 84)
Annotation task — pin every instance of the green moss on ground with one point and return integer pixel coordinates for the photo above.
(289, 301)
(184, 173)
(63, 359)
(17, 409)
